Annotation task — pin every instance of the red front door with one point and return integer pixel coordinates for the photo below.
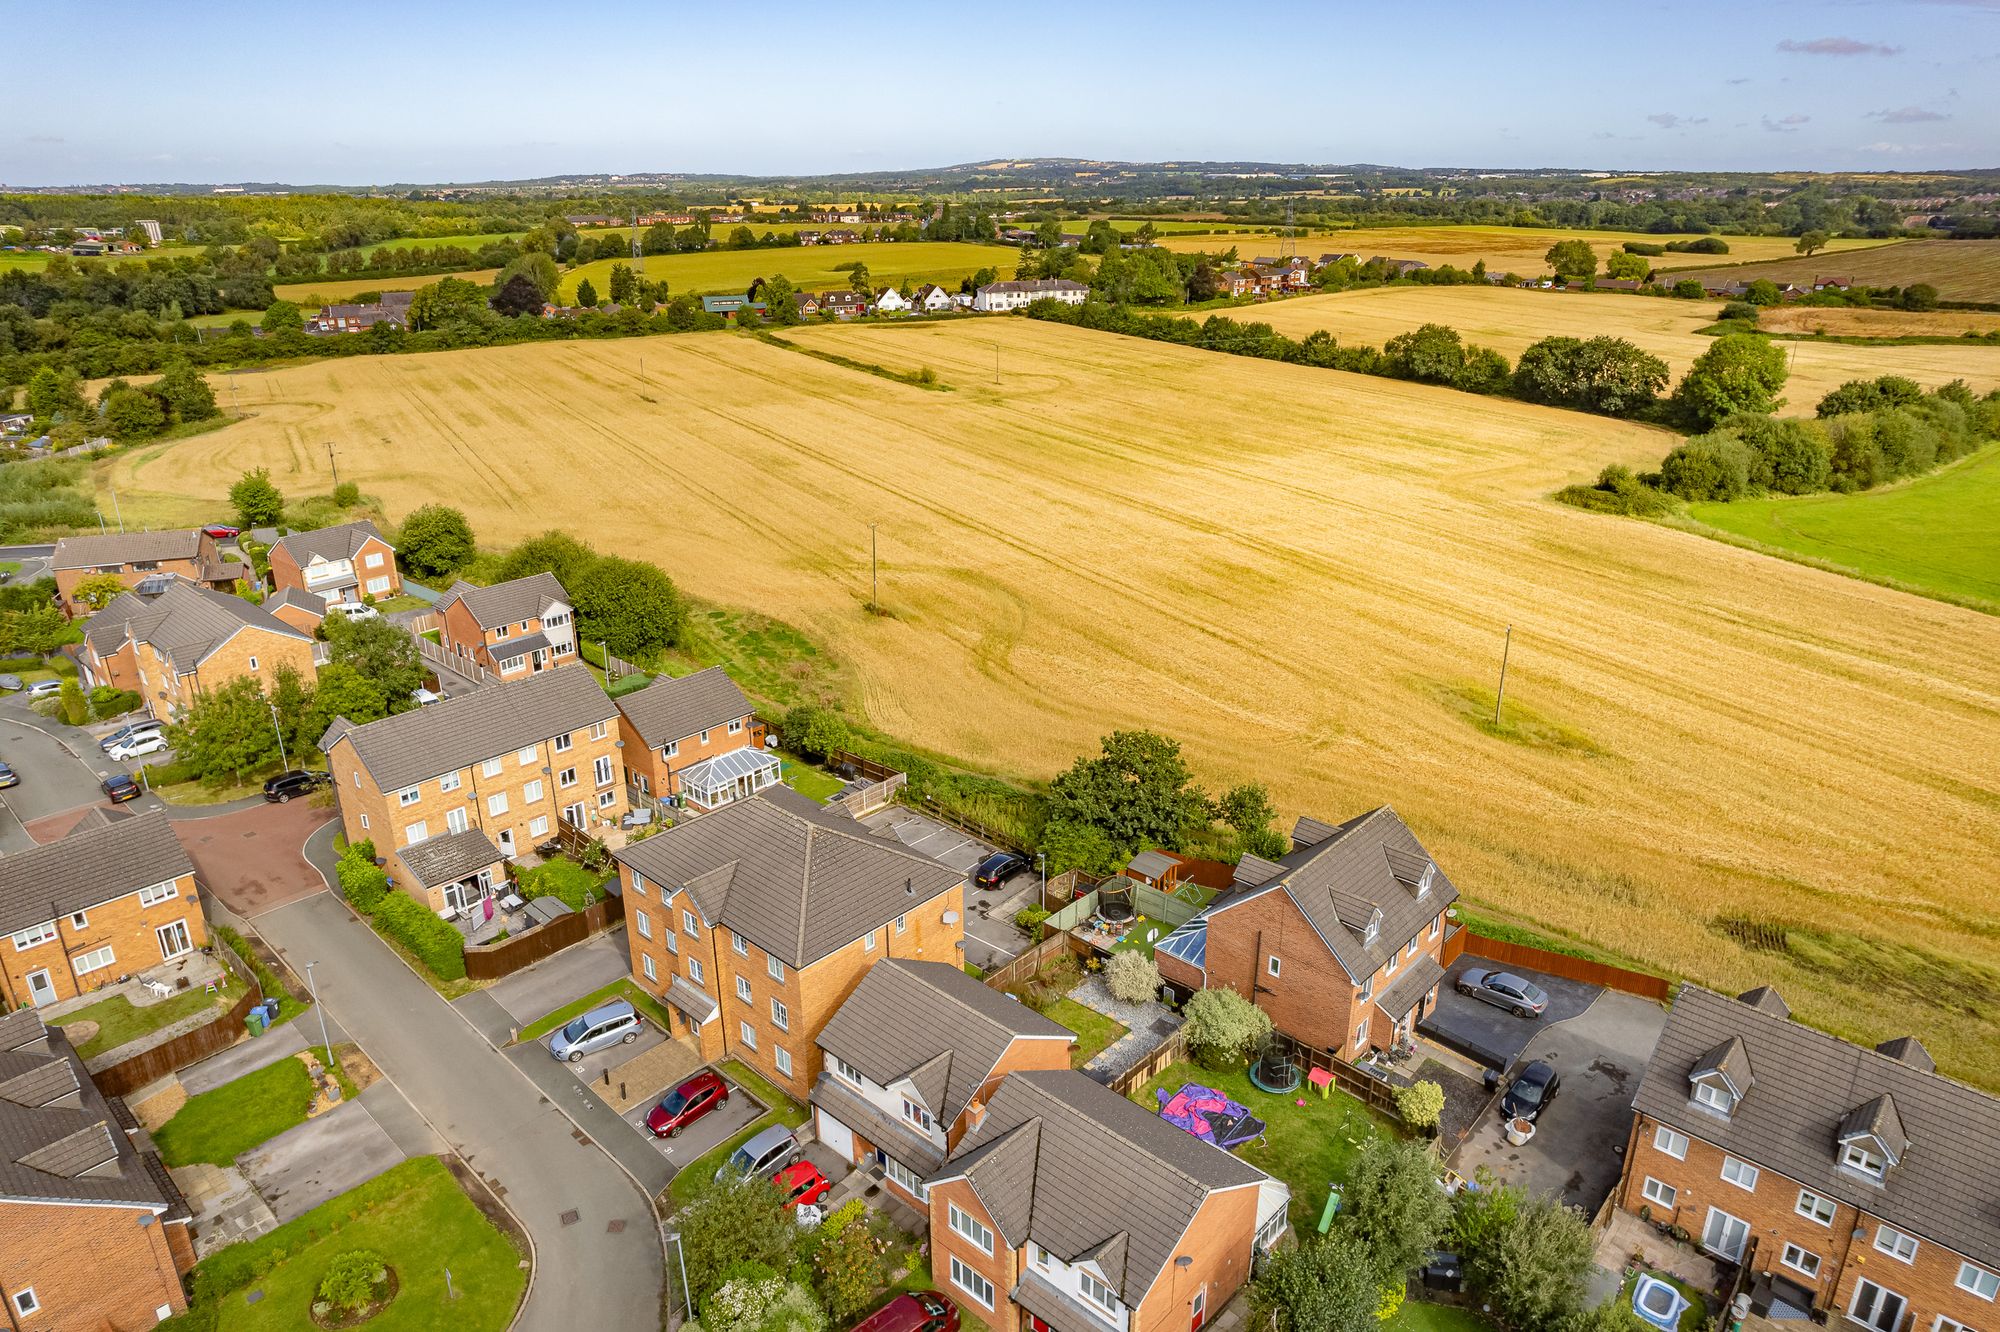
(1200, 1309)
(1038, 1325)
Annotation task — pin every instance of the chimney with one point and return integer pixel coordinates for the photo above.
(975, 1115)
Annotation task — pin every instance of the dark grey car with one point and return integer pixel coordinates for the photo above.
(1503, 989)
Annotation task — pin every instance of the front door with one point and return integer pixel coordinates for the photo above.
(1725, 1234)
(574, 815)
(1200, 1309)
(173, 940)
(41, 990)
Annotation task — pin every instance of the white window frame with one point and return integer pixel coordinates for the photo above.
(1712, 1096)
(643, 922)
(408, 796)
(670, 750)
(1809, 1204)
(1272, 965)
(969, 1228)
(1948, 1324)
(186, 937)
(1670, 1142)
(448, 783)
(902, 923)
(846, 1072)
(253, 663)
(26, 1301)
(687, 921)
(527, 756)
(907, 1179)
(748, 1035)
(918, 1115)
(1745, 1176)
(739, 943)
(646, 965)
(566, 779)
(868, 942)
(1361, 1033)
(1979, 1289)
(1854, 1302)
(775, 967)
(155, 893)
(531, 793)
(598, 731)
(1892, 1241)
(496, 804)
(561, 744)
(1653, 1188)
(781, 1016)
(1857, 1158)
(1097, 1292)
(736, 727)
(85, 965)
(695, 972)
(781, 1059)
(743, 989)
(603, 770)
(538, 826)
(491, 767)
(80, 919)
(970, 1283)
(413, 833)
(35, 936)
(1801, 1260)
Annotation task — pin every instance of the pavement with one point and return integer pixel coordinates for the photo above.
(258, 1052)
(1494, 1036)
(1579, 1141)
(320, 1159)
(567, 976)
(251, 858)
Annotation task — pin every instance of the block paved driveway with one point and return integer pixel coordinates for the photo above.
(252, 858)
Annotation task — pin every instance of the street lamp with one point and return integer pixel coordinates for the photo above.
(681, 1255)
(282, 756)
(312, 988)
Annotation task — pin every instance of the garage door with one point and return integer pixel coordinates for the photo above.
(835, 1135)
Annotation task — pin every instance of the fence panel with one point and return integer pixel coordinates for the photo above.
(867, 799)
(190, 1046)
(1031, 963)
(863, 767)
(1164, 1055)
(1075, 913)
(1647, 986)
(1164, 907)
(492, 961)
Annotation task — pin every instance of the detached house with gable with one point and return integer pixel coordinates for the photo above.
(169, 641)
(93, 1231)
(137, 556)
(1068, 1208)
(1340, 940)
(1855, 1184)
(513, 629)
(755, 923)
(336, 564)
(695, 739)
(911, 1060)
(113, 898)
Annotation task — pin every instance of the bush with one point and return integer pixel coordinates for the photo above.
(1715, 466)
(434, 943)
(349, 1283)
(75, 709)
(362, 882)
(170, 773)
(1741, 311)
(814, 732)
(1617, 491)
(1221, 1027)
(106, 702)
(1421, 1104)
(562, 879)
(1029, 917)
(1132, 977)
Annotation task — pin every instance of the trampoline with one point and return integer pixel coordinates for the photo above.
(1209, 1115)
(1658, 1302)
(1114, 901)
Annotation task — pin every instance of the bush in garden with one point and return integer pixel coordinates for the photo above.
(1131, 977)
(349, 1283)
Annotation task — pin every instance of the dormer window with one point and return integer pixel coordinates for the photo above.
(1424, 883)
(917, 1115)
(1858, 1156)
(1715, 1096)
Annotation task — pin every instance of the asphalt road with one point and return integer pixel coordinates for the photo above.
(59, 768)
(602, 1269)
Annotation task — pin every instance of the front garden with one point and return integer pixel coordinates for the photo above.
(779, 1109)
(221, 1124)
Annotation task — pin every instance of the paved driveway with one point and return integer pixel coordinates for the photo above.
(1576, 1149)
(707, 1133)
(554, 981)
(1492, 1035)
(319, 1159)
(253, 859)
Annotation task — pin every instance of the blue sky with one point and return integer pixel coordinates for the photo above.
(439, 90)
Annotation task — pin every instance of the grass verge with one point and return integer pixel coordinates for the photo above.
(289, 1005)
(1094, 1031)
(220, 1125)
(119, 1020)
(622, 988)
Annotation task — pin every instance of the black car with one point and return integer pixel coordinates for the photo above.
(1531, 1092)
(286, 785)
(988, 873)
(121, 788)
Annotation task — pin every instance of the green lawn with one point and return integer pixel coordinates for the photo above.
(1693, 1318)
(782, 1110)
(404, 602)
(120, 1020)
(1416, 1316)
(1938, 535)
(803, 777)
(218, 1126)
(1309, 1146)
(1093, 1030)
(622, 988)
(416, 1217)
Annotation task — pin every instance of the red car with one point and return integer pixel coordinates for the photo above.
(686, 1103)
(221, 531)
(801, 1182)
(918, 1311)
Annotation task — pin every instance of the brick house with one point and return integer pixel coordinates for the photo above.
(93, 1231)
(170, 640)
(508, 760)
(133, 556)
(513, 629)
(1339, 940)
(755, 923)
(912, 1057)
(675, 730)
(341, 563)
(1852, 1183)
(114, 897)
(298, 608)
(1069, 1207)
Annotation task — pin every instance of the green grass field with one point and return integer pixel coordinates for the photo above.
(1939, 534)
(1094, 1031)
(36, 260)
(716, 272)
(218, 1126)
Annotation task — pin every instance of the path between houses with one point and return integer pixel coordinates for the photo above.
(1147, 1026)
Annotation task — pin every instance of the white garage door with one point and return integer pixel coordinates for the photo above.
(835, 1134)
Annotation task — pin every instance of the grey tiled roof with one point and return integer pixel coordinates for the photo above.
(185, 622)
(1081, 1170)
(1341, 874)
(797, 888)
(1400, 995)
(330, 543)
(447, 859)
(1946, 1188)
(405, 749)
(879, 1031)
(60, 1140)
(91, 552)
(669, 710)
(97, 863)
(519, 647)
(891, 1133)
(297, 597)
(510, 602)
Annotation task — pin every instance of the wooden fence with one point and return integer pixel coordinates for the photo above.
(492, 961)
(1376, 1093)
(1643, 984)
(867, 799)
(865, 768)
(1031, 963)
(190, 1046)
(1167, 1052)
(453, 662)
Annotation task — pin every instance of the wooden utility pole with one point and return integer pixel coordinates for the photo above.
(874, 581)
(1500, 694)
(332, 466)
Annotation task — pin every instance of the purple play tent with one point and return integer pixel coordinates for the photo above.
(1209, 1115)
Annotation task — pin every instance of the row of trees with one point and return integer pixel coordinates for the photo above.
(1138, 792)
(181, 396)
(750, 1267)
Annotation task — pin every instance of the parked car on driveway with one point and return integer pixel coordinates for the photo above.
(916, 1311)
(290, 785)
(137, 746)
(11, 683)
(45, 688)
(606, 1025)
(121, 788)
(8, 777)
(1503, 989)
(221, 531)
(682, 1106)
(989, 873)
(132, 732)
(353, 610)
(801, 1183)
(1530, 1093)
(426, 696)
(762, 1155)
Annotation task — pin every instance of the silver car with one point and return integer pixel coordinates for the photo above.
(45, 688)
(769, 1151)
(615, 1023)
(1503, 989)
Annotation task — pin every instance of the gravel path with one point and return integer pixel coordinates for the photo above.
(1147, 1026)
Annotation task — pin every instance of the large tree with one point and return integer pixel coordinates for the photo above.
(446, 301)
(1572, 259)
(1741, 372)
(553, 552)
(630, 606)
(185, 394)
(1623, 265)
(1534, 1271)
(1137, 790)
(1325, 1284)
(517, 296)
(54, 393)
(1394, 1205)
(729, 1222)
(341, 691)
(435, 541)
(98, 590)
(257, 502)
(227, 733)
(1601, 374)
(1431, 354)
(381, 652)
(1811, 242)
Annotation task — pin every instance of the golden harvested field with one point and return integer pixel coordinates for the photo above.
(1507, 319)
(326, 291)
(1302, 574)
(1505, 249)
(1846, 322)
(1966, 270)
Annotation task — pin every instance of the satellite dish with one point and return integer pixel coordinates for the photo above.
(951, 918)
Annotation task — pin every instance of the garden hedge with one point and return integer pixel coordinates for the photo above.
(436, 944)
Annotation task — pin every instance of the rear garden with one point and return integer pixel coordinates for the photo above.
(118, 1021)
